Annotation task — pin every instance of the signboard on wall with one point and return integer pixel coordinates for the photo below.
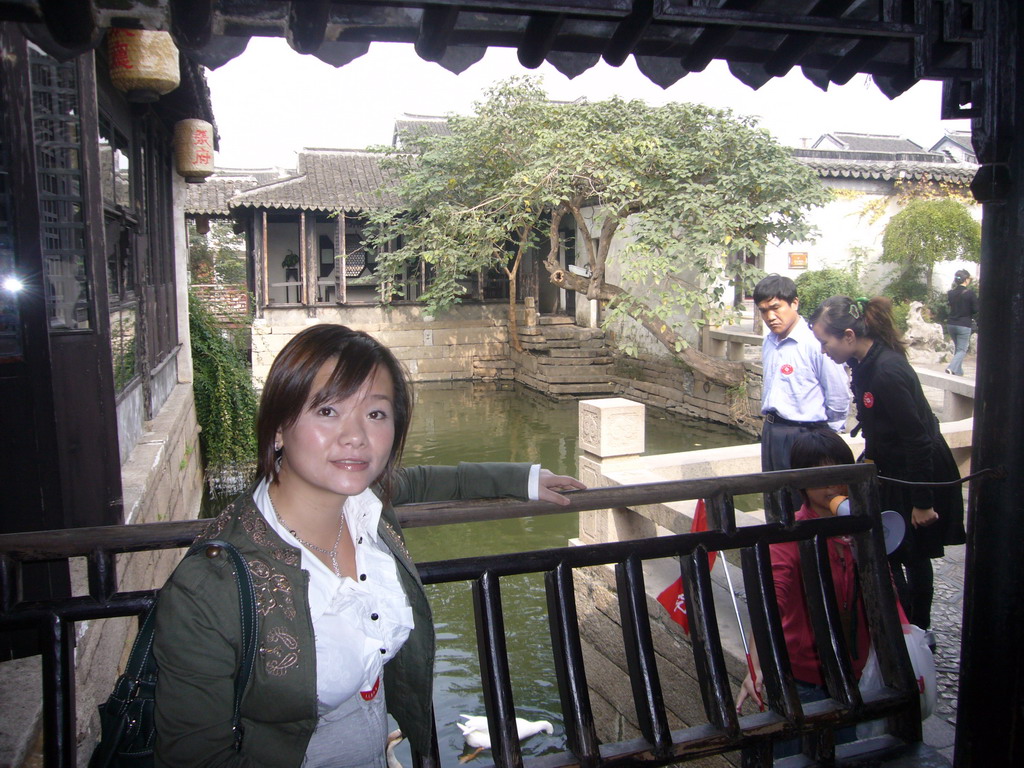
(798, 260)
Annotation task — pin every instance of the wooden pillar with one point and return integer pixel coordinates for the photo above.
(262, 279)
(307, 277)
(342, 268)
(989, 711)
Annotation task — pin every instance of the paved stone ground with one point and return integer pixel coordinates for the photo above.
(947, 617)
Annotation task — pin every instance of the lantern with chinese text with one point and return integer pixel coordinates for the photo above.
(193, 149)
(143, 64)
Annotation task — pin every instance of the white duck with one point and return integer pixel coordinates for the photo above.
(477, 734)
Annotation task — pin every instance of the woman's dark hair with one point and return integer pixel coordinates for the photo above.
(356, 356)
(819, 448)
(775, 287)
(960, 277)
(871, 318)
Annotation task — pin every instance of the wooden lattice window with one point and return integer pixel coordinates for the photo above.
(57, 125)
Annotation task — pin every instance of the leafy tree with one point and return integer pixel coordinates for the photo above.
(924, 233)
(815, 286)
(694, 188)
(217, 256)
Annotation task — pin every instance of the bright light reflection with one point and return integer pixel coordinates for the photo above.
(12, 284)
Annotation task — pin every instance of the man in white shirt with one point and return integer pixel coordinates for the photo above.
(802, 389)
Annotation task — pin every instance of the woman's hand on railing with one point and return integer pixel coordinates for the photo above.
(551, 484)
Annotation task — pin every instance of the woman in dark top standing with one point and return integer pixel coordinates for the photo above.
(901, 436)
(963, 306)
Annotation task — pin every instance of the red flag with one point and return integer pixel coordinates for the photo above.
(672, 597)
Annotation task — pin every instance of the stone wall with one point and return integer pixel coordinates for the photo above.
(162, 480)
(663, 383)
(432, 349)
(227, 303)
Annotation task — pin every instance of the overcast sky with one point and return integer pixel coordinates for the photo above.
(270, 102)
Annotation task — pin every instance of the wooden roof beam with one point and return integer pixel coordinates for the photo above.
(191, 23)
(436, 27)
(711, 40)
(71, 23)
(629, 32)
(855, 60)
(793, 47)
(539, 38)
(307, 24)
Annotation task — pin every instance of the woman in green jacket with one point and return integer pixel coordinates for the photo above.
(345, 632)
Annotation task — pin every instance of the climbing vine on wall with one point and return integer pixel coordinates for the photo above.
(226, 402)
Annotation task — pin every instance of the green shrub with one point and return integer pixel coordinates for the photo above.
(907, 286)
(226, 402)
(900, 313)
(814, 287)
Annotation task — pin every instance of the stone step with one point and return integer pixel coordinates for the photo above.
(493, 369)
(570, 389)
(547, 344)
(555, 320)
(582, 389)
(586, 363)
(578, 353)
(573, 375)
(558, 332)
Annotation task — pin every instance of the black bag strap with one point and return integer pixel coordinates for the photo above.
(250, 623)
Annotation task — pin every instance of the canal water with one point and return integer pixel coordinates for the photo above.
(474, 422)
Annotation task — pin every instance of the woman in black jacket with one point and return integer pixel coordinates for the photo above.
(901, 436)
(963, 306)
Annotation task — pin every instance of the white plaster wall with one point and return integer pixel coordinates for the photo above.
(181, 282)
(849, 222)
(624, 332)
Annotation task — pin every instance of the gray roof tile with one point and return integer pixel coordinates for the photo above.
(871, 142)
(326, 180)
(887, 170)
(212, 196)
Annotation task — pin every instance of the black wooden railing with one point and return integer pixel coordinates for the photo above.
(724, 731)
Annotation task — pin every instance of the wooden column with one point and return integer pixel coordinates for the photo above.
(259, 252)
(989, 712)
(307, 276)
(342, 268)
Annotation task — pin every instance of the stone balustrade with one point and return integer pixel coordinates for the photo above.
(611, 441)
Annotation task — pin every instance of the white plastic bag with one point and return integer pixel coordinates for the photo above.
(923, 662)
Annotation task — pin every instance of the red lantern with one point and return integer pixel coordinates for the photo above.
(193, 149)
(143, 64)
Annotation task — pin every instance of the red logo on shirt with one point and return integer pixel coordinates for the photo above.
(869, 400)
(786, 369)
(371, 694)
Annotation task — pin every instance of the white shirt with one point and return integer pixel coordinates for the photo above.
(358, 624)
(799, 382)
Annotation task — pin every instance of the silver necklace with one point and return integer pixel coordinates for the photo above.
(331, 553)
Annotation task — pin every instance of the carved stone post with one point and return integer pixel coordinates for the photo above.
(611, 432)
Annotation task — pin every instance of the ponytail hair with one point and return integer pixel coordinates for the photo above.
(871, 318)
(960, 277)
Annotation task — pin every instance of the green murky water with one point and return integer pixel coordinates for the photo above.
(474, 422)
